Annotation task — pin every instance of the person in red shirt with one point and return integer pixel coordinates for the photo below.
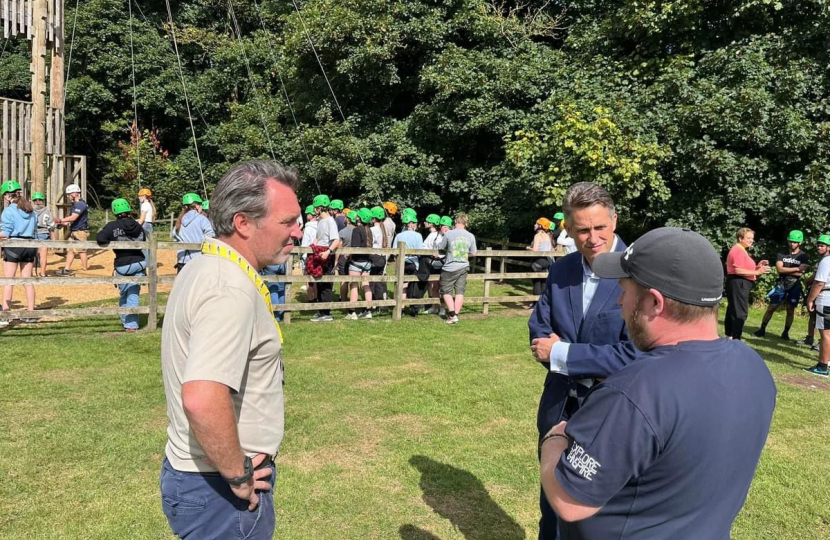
(741, 272)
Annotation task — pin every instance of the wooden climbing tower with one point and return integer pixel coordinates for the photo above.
(32, 144)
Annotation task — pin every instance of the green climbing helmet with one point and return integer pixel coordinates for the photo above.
(10, 186)
(553, 225)
(121, 206)
(365, 216)
(190, 198)
(559, 216)
(321, 200)
(435, 219)
(795, 236)
(824, 239)
(352, 216)
(206, 205)
(336, 204)
(378, 213)
(409, 212)
(409, 218)
(309, 209)
(38, 196)
(446, 221)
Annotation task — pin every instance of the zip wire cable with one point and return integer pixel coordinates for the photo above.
(137, 133)
(331, 89)
(285, 93)
(71, 46)
(186, 99)
(257, 95)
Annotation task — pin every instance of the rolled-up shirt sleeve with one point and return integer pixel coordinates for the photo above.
(612, 442)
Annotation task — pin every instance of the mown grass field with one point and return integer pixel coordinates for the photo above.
(414, 430)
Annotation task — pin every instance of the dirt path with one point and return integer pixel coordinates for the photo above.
(100, 264)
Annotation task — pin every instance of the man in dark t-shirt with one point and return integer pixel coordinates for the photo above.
(791, 265)
(667, 446)
(78, 222)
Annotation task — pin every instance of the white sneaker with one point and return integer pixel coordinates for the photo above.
(442, 312)
(452, 320)
(365, 315)
(322, 318)
(432, 311)
(351, 317)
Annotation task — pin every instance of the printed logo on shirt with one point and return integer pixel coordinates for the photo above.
(460, 249)
(582, 462)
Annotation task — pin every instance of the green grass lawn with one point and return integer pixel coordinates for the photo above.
(413, 430)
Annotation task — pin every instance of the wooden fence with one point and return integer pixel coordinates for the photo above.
(153, 280)
(17, 18)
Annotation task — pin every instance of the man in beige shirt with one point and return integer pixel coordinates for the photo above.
(221, 356)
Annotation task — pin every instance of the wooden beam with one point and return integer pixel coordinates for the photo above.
(38, 119)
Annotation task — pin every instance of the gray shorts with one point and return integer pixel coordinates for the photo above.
(455, 281)
(360, 266)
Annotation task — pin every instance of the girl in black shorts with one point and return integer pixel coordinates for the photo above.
(18, 221)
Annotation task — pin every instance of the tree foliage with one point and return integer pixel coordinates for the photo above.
(706, 114)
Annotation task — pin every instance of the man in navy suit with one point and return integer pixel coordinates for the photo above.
(576, 330)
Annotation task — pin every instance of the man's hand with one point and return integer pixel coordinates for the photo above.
(540, 348)
(248, 490)
(811, 306)
(558, 428)
(325, 254)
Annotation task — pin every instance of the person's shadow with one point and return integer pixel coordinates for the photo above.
(460, 497)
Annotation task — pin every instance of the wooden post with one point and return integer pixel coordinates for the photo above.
(56, 77)
(106, 216)
(172, 223)
(399, 269)
(488, 262)
(38, 121)
(289, 271)
(503, 260)
(152, 286)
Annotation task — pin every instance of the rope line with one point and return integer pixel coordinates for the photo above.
(71, 47)
(285, 93)
(186, 99)
(257, 95)
(135, 101)
(331, 89)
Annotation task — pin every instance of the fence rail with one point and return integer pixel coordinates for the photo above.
(153, 280)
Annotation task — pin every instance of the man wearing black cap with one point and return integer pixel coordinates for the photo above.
(667, 446)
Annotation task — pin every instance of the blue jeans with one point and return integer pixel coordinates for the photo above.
(148, 230)
(277, 289)
(129, 291)
(203, 507)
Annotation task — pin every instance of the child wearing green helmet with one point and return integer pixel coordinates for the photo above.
(18, 221)
(45, 229)
(823, 249)
(432, 223)
(327, 236)
(192, 227)
(380, 239)
(309, 234)
(818, 302)
(342, 261)
(128, 262)
(413, 240)
(791, 264)
(360, 264)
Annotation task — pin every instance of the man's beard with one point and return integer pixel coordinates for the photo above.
(638, 330)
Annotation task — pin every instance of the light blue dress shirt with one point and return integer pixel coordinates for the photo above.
(590, 282)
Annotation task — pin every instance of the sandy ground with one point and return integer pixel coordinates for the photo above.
(100, 264)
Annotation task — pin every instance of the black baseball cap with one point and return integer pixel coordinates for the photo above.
(679, 263)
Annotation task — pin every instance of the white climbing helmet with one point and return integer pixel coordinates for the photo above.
(73, 188)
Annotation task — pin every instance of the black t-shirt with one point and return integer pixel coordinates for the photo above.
(80, 208)
(791, 261)
(668, 446)
(341, 222)
(359, 240)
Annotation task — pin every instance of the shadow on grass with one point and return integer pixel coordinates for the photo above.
(460, 497)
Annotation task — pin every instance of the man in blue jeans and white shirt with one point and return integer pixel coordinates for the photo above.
(666, 447)
(221, 358)
(576, 330)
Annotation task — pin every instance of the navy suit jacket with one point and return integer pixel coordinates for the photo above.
(599, 342)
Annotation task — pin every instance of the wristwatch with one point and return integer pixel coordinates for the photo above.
(249, 473)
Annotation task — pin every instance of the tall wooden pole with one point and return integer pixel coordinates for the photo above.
(38, 162)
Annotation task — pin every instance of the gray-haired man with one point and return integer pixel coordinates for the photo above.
(222, 365)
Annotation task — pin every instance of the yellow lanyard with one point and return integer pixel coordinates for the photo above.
(239, 260)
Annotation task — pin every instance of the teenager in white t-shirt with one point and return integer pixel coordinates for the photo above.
(819, 301)
(148, 210)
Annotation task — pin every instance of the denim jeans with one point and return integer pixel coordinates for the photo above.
(148, 230)
(129, 291)
(277, 289)
(203, 507)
